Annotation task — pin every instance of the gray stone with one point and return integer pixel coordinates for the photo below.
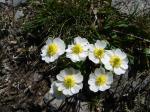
(13, 2)
(54, 102)
(18, 14)
(84, 107)
(130, 6)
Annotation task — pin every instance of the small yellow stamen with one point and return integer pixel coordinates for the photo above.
(115, 61)
(101, 80)
(52, 49)
(99, 52)
(69, 81)
(77, 49)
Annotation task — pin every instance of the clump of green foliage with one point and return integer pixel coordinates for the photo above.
(98, 20)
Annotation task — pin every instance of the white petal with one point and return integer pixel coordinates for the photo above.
(110, 77)
(60, 77)
(80, 40)
(104, 87)
(110, 52)
(77, 88)
(69, 49)
(49, 40)
(92, 58)
(61, 45)
(52, 88)
(119, 71)
(91, 47)
(74, 90)
(51, 91)
(108, 67)
(92, 76)
(91, 55)
(67, 92)
(69, 55)
(84, 41)
(96, 61)
(120, 53)
(77, 40)
(73, 57)
(53, 58)
(78, 78)
(82, 58)
(124, 65)
(48, 59)
(93, 88)
(62, 74)
(91, 82)
(60, 86)
(100, 44)
(105, 59)
(83, 55)
(58, 41)
(43, 53)
(61, 51)
(44, 50)
(126, 60)
(86, 48)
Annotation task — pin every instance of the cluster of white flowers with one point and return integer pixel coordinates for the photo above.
(69, 80)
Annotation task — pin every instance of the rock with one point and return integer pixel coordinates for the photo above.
(37, 77)
(3, 1)
(84, 107)
(53, 102)
(18, 14)
(13, 2)
(129, 6)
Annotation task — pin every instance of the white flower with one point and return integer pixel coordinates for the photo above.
(78, 51)
(55, 92)
(116, 60)
(53, 49)
(100, 80)
(69, 81)
(96, 51)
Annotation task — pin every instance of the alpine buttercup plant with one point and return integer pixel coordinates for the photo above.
(70, 81)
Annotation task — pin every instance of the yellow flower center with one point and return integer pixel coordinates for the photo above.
(77, 49)
(115, 61)
(101, 80)
(69, 81)
(52, 49)
(99, 52)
